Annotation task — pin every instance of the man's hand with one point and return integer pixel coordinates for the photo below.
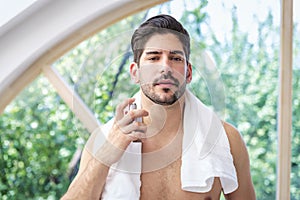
(124, 130)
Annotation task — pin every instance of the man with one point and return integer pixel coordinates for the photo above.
(171, 146)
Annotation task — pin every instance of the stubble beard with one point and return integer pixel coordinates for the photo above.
(165, 98)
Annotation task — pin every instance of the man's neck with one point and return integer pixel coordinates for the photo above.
(163, 121)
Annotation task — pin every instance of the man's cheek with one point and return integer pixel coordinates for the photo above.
(147, 74)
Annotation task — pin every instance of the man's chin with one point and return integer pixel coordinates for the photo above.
(165, 99)
(161, 96)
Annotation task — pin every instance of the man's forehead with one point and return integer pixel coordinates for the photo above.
(164, 41)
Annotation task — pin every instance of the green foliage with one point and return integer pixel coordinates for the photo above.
(295, 172)
(249, 71)
(38, 139)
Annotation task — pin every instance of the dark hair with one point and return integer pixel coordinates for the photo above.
(160, 24)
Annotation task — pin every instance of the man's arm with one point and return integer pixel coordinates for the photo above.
(94, 166)
(90, 179)
(241, 161)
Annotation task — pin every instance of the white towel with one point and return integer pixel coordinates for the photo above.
(205, 155)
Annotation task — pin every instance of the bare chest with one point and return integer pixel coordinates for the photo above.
(165, 183)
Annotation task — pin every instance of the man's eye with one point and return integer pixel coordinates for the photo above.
(153, 58)
(177, 59)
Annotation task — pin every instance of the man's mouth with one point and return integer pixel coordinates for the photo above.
(165, 83)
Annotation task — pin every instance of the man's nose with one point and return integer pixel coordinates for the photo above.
(166, 65)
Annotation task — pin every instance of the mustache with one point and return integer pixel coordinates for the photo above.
(167, 76)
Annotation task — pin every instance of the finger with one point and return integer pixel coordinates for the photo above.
(135, 126)
(136, 135)
(132, 115)
(120, 108)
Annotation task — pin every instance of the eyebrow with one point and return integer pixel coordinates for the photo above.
(160, 52)
(153, 52)
(177, 52)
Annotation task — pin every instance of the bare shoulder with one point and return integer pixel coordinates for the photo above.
(236, 141)
(231, 131)
(242, 164)
(237, 145)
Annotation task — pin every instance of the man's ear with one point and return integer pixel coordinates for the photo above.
(189, 73)
(134, 72)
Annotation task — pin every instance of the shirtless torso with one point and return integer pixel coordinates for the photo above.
(165, 183)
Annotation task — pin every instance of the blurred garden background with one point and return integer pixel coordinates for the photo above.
(39, 134)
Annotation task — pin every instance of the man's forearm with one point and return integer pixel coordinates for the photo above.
(89, 182)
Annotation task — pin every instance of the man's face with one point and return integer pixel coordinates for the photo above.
(163, 72)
